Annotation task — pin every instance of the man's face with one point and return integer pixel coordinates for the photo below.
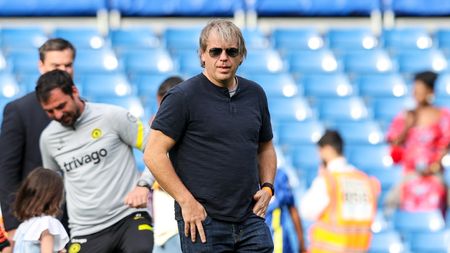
(221, 58)
(62, 60)
(62, 107)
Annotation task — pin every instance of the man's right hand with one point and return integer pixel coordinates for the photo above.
(193, 215)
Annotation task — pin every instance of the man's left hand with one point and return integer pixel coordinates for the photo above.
(138, 197)
(262, 198)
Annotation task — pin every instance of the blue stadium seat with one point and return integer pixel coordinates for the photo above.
(342, 109)
(19, 38)
(442, 86)
(369, 157)
(410, 223)
(315, 7)
(23, 61)
(283, 109)
(381, 85)
(387, 176)
(9, 88)
(188, 61)
(412, 61)
(442, 38)
(356, 38)
(81, 37)
(442, 101)
(132, 103)
(305, 156)
(136, 37)
(91, 61)
(420, 7)
(4, 66)
(386, 108)
(52, 8)
(369, 62)
(255, 38)
(181, 38)
(139, 158)
(202, 8)
(407, 38)
(312, 61)
(289, 39)
(387, 242)
(360, 132)
(262, 61)
(327, 85)
(277, 84)
(300, 132)
(96, 86)
(435, 242)
(380, 224)
(27, 82)
(147, 87)
(159, 61)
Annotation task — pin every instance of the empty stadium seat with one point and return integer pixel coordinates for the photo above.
(369, 62)
(181, 38)
(407, 38)
(81, 37)
(430, 242)
(147, 85)
(315, 7)
(283, 109)
(312, 61)
(387, 242)
(385, 108)
(18, 38)
(305, 158)
(388, 178)
(91, 61)
(360, 132)
(9, 88)
(152, 60)
(412, 61)
(369, 157)
(52, 8)
(262, 61)
(442, 101)
(356, 38)
(203, 8)
(100, 86)
(135, 37)
(278, 84)
(300, 132)
(288, 39)
(442, 38)
(420, 7)
(255, 38)
(343, 108)
(23, 61)
(442, 86)
(132, 103)
(381, 85)
(411, 223)
(322, 86)
(188, 61)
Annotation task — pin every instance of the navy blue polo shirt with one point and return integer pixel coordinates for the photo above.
(217, 139)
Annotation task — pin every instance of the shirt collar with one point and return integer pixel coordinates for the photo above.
(338, 165)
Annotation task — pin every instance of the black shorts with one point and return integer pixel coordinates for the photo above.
(132, 234)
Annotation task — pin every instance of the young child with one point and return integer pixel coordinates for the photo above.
(37, 203)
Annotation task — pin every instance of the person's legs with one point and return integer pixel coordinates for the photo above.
(136, 234)
(254, 236)
(219, 237)
(172, 245)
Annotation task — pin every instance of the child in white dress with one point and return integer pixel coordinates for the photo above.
(37, 203)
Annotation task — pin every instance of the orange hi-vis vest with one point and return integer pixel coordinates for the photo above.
(344, 226)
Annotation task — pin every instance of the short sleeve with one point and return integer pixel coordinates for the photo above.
(40, 224)
(172, 116)
(130, 128)
(265, 133)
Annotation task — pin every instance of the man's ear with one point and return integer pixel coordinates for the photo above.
(41, 67)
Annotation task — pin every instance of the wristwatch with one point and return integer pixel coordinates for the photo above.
(143, 183)
(270, 186)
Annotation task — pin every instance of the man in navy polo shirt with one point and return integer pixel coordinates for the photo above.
(221, 164)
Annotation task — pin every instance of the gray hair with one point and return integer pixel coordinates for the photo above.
(227, 31)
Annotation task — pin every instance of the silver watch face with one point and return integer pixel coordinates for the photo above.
(142, 183)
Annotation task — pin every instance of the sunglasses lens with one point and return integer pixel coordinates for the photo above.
(214, 52)
(232, 52)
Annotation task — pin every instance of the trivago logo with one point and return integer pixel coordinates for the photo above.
(94, 157)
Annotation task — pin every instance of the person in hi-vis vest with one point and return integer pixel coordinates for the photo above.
(341, 201)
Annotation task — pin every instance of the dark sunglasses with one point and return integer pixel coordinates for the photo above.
(217, 51)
